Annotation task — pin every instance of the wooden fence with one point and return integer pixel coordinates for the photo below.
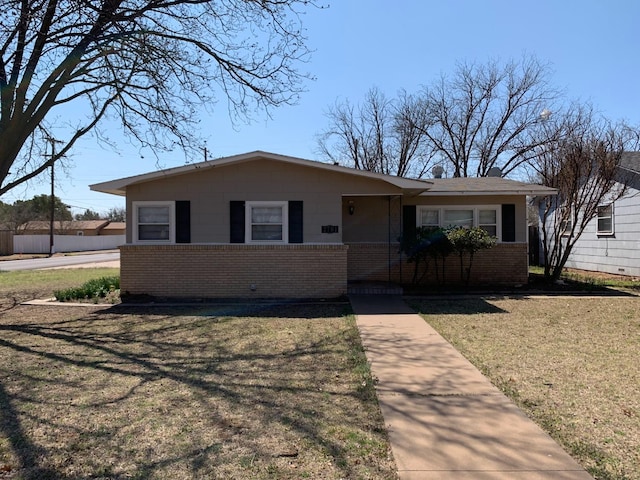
(6, 242)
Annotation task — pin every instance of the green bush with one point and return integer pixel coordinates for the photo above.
(93, 289)
(468, 241)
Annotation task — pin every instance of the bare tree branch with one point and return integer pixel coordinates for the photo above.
(583, 164)
(379, 135)
(486, 116)
(147, 63)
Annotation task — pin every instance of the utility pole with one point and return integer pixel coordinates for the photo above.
(53, 202)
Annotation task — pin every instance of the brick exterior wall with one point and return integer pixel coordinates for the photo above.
(230, 271)
(369, 262)
(504, 264)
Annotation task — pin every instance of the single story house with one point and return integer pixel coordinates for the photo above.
(611, 242)
(266, 225)
(114, 228)
(88, 228)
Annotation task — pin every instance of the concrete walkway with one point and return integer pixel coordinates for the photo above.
(445, 419)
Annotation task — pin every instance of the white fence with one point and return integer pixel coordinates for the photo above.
(65, 243)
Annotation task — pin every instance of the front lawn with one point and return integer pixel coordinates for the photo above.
(571, 363)
(227, 391)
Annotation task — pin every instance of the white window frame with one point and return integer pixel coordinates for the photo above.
(172, 220)
(566, 225)
(476, 215)
(498, 210)
(423, 209)
(610, 216)
(284, 205)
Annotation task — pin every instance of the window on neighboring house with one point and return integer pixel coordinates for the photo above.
(154, 221)
(566, 221)
(486, 217)
(605, 220)
(266, 222)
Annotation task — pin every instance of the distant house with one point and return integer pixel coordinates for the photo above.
(88, 228)
(65, 227)
(265, 225)
(114, 228)
(611, 242)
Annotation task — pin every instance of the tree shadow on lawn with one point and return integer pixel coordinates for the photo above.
(257, 309)
(453, 305)
(148, 393)
(536, 285)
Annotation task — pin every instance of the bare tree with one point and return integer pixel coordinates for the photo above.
(147, 64)
(584, 166)
(88, 214)
(488, 115)
(116, 214)
(379, 135)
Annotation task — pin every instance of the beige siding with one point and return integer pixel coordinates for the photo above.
(518, 200)
(377, 220)
(210, 192)
(371, 219)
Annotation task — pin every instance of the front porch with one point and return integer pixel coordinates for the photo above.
(504, 264)
(374, 288)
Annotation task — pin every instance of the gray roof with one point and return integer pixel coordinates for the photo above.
(432, 186)
(485, 186)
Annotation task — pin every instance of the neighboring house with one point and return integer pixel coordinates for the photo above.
(65, 227)
(114, 228)
(611, 242)
(266, 226)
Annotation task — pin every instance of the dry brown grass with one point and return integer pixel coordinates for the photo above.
(228, 392)
(572, 364)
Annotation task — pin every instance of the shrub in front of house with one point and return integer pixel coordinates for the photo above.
(92, 290)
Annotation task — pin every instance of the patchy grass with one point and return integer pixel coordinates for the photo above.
(24, 285)
(229, 392)
(570, 363)
(586, 280)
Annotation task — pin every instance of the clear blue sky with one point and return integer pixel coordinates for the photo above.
(592, 46)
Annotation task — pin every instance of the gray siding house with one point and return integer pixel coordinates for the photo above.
(611, 242)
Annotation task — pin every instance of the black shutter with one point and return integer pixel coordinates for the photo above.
(183, 221)
(295, 222)
(236, 215)
(408, 221)
(508, 222)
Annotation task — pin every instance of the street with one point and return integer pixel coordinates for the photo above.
(109, 259)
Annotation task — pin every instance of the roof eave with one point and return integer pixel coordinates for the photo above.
(468, 193)
(119, 186)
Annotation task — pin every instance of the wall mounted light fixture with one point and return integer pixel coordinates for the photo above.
(352, 207)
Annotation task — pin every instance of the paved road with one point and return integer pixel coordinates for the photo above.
(60, 261)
